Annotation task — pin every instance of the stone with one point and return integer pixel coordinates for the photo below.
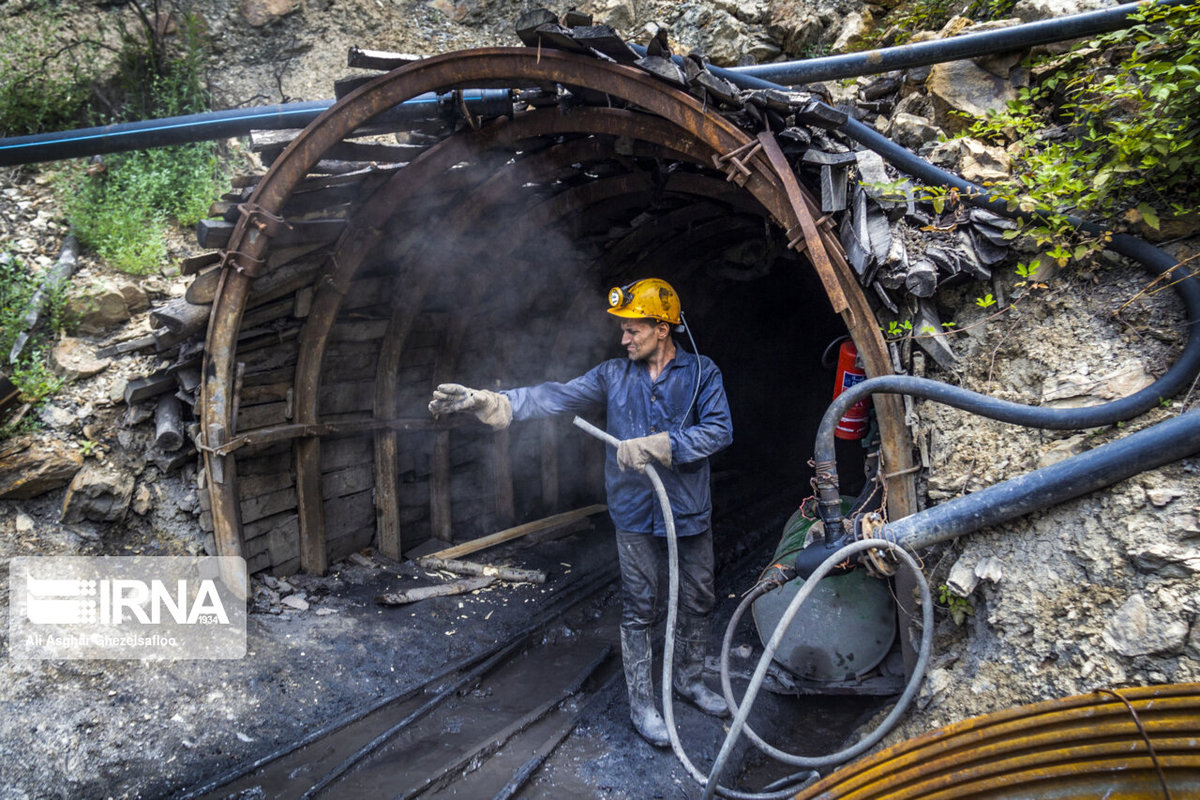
(116, 391)
(74, 359)
(23, 522)
(794, 26)
(853, 31)
(1163, 495)
(1134, 630)
(1078, 391)
(721, 36)
(965, 87)
(141, 500)
(259, 13)
(912, 130)
(29, 467)
(962, 579)
(1063, 449)
(56, 418)
(1033, 10)
(135, 298)
(99, 493)
(751, 11)
(619, 14)
(974, 160)
(296, 602)
(1166, 560)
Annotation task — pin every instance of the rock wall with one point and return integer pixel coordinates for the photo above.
(1100, 592)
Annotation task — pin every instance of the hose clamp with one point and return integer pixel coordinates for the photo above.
(879, 564)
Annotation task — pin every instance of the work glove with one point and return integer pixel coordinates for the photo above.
(491, 408)
(637, 453)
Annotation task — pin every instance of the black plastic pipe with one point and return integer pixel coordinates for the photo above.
(1164, 443)
(224, 124)
(968, 45)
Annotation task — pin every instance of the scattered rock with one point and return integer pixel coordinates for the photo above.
(259, 13)
(75, 360)
(965, 86)
(1033, 10)
(853, 31)
(974, 160)
(99, 307)
(1063, 449)
(793, 24)
(1163, 495)
(1080, 390)
(23, 522)
(30, 467)
(295, 601)
(1167, 560)
(141, 500)
(912, 130)
(1136, 631)
(56, 418)
(99, 492)
(619, 14)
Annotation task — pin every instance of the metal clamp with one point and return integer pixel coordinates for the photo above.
(733, 163)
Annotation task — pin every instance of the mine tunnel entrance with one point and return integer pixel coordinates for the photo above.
(374, 261)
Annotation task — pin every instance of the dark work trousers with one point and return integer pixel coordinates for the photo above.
(644, 557)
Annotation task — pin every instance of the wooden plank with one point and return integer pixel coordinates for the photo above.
(256, 508)
(348, 481)
(345, 452)
(348, 514)
(546, 523)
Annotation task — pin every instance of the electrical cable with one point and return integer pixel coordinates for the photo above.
(696, 388)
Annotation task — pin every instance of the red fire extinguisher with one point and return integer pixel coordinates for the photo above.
(849, 372)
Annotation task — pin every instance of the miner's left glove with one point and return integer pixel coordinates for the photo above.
(637, 453)
(491, 408)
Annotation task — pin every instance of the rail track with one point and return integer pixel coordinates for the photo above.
(478, 729)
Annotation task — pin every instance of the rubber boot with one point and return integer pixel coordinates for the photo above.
(691, 641)
(635, 654)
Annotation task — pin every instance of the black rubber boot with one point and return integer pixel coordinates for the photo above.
(635, 654)
(691, 641)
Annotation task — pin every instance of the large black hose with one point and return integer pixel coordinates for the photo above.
(968, 45)
(1161, 444)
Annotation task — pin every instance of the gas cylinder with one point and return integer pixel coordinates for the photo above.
(850, 371)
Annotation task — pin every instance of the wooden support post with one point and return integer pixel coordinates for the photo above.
(503, 477)
(439, 488)
(408, 295)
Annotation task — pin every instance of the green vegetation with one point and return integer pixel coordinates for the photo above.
(29, 373)
(1110, 134)
(129, 66)
(122, 211)
(932, 15)
(45, 75)
(959, 607)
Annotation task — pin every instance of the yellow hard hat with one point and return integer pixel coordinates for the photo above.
(652, 297)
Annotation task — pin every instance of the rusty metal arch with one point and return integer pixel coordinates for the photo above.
(757, 166)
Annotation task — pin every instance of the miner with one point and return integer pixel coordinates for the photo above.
(667, 406)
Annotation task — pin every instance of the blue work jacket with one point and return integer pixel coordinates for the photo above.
(637, 407)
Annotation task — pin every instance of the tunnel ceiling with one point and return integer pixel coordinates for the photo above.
(374, 260)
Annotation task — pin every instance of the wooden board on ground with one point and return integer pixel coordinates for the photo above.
(565, 518)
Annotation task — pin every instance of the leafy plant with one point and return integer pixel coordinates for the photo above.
(1115, 140)
(986, 301)
(29, 373)
(46, 75)
(122, 210)
(959, 607)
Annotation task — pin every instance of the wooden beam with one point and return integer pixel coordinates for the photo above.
(474, 546)
(408, 295)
